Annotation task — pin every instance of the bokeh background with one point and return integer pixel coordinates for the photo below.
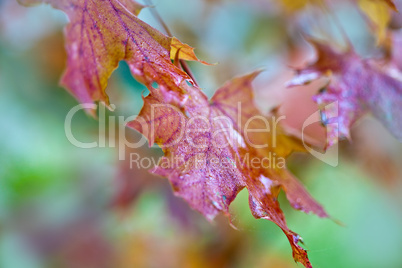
(62, 206)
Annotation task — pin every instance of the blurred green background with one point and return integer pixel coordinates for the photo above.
(62, 206)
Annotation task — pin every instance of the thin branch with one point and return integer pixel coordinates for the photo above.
(335, 19)
(156, 15)
(187, 69)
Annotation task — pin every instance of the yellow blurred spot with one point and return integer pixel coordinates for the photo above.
(379, 13)
(296, 5)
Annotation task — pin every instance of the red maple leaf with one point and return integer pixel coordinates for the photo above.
(210, 147)
(102, 33)
(213, 148)
(356, 86)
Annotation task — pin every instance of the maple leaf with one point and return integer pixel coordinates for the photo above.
(209, 145)
(102, 33)
(358, 86)
(208, 149)
(379, 13)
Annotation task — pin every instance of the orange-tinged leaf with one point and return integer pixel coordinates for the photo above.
(185, 52)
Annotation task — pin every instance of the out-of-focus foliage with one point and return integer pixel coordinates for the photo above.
(357, 86)
(61, 206)
(379, 13)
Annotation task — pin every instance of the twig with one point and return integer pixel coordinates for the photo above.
(338, 25)
(156, 15)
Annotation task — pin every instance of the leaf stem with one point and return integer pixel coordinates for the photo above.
(156, 15)
(329, 10)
